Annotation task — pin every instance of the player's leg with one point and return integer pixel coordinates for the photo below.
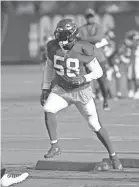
(130, 82)
(136, 70)
(54, 104)
(51, 127)
(8, 179)
(103, 83)
(90, 114)
(118, 86)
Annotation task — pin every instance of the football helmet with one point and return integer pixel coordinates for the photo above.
(66, 32)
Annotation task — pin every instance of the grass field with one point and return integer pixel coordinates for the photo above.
(24, 139)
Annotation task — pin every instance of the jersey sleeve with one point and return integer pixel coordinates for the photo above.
(48, 74)
(95, 70)
(50, 47)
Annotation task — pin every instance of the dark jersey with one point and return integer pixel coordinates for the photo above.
(72, 64)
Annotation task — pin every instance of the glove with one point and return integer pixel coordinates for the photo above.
(44, 95)
(78, 80)
(75, 81)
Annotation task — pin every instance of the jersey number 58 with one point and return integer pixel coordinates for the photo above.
(71, 66)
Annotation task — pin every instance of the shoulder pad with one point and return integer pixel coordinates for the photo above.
(51, 43)
(51, 46)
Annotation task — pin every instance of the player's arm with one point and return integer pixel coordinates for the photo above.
(48, 76)
(91, 63)
(95, 70)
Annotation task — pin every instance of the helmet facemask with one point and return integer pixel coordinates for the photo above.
(66, 37)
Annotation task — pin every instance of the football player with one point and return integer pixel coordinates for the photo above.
(132, 42)
(110, 52)
(75, 66)
(93, 33)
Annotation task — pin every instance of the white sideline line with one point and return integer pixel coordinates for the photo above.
(71, 151)
(127, 184)
(105, 125)
(38, 117)
(135, 114)
(114, 139)
(32, 137)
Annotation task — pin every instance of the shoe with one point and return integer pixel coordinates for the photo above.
(116, 163)
(130, 94)
(106, 106)
(136, 96)
(102, 166)
(13, 178)
(54, 150)
(119, 95)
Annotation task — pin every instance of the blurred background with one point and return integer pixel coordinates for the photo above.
(25, 23)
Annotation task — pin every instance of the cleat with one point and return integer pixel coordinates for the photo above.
(136, 96)
(130, 94)
(105, 106)
(116, 163)
(103, 166)
(54, 150)
(13, 178)
(119, 95)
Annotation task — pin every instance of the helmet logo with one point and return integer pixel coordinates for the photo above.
(68, 26)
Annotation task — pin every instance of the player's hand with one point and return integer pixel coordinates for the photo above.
(76, 81)
(44, 95)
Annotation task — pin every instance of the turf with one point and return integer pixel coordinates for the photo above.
(25, 140)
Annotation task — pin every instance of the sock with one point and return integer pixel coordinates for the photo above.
(54, 141)
(51, 125)
(104, 138)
